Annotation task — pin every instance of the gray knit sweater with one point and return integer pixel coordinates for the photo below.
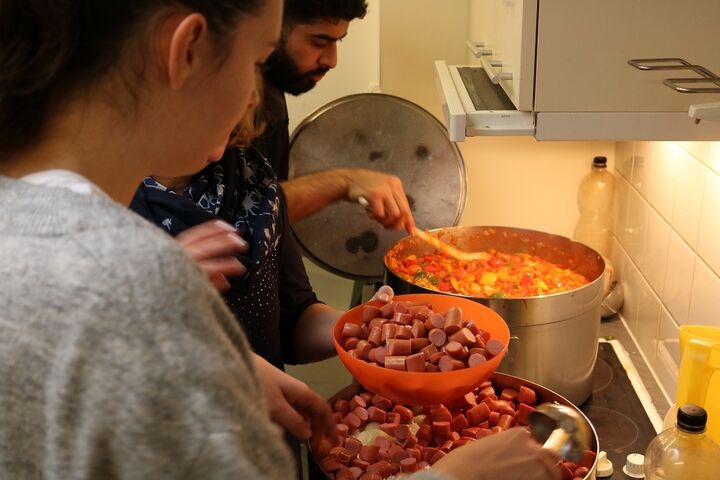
(117, 358)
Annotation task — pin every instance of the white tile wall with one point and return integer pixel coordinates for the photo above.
(709, 236)
(655, 256)
(642, 167)
(713, 157)
(705, 299)
(688, 197)
(678, 278)
(662, 181)
(667, 244)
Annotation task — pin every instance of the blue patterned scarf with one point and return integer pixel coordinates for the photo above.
(241, 188)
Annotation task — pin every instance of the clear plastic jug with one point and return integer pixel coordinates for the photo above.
(683, 452)
(698, 380)
(595, 204)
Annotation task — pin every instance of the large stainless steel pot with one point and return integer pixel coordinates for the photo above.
(500, 381)
(553, 337)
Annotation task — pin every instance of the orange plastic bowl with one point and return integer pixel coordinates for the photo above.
(426, 388)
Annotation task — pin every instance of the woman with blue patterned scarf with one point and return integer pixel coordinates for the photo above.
(271, 297)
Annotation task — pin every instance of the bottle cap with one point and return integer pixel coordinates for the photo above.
(691, 418)
(634, 465)
(600, 162)
(604, 465)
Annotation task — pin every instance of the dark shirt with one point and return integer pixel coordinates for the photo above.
(268, 303)
(274, 143)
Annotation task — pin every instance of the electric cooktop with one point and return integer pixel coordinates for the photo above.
(616, 411)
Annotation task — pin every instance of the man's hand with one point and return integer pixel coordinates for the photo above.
(213, 245)
(387, 202)
(292, 404)
(510, 455)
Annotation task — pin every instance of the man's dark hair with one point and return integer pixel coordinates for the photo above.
(309, 11)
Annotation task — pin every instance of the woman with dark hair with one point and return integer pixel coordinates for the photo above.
(118, 358)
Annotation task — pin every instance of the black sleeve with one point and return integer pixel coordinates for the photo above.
(296, 294)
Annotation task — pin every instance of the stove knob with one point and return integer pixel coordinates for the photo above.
(604, 465)
(634, 465)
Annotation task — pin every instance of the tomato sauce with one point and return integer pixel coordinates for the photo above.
(500, 275)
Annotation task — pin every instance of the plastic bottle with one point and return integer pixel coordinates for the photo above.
(595, 202)
(683, 452)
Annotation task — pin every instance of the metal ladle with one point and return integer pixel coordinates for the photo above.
(560, 429)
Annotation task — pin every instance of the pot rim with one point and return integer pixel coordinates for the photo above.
(598, 280)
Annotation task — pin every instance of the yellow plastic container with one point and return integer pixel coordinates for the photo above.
(699, 380)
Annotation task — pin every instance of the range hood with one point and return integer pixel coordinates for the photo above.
(474, 103)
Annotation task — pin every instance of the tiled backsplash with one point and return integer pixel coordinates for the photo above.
(667, 244)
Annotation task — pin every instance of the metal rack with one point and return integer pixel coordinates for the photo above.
(700, 111)
(705, 75)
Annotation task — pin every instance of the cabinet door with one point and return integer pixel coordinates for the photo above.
(507, 29)
(583, 47)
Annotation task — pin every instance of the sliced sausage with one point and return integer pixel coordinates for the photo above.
(404, 332)
(375, 337)
(350, 329)
(402, 318)
(526, 395)
(415, 362)
(418, 329)
(351, 342)
(369, 312)
(453, 320)
(476, 359)
(456, 350)
(494, 347)
(448, 364)
(463, 337)
(395, 362)
(398, 346)
(437, 337)
(417, 344)
(388, 331)
(436, 321)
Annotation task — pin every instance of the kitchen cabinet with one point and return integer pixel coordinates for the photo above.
(562, 66)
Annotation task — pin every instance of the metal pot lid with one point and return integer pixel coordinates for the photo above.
(387, 134)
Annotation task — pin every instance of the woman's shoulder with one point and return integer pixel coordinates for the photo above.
(130, 251)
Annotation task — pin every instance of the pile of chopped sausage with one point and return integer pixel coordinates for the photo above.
(377, 438)
(409, 336)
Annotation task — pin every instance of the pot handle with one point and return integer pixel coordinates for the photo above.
(510, 355)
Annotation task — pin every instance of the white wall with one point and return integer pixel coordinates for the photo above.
(358, 69)
(414, 33)
(666, 251)
(520, 182)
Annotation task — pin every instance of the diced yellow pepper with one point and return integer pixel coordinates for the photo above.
(488, 278)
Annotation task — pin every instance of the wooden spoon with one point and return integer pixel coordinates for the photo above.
(448, 249)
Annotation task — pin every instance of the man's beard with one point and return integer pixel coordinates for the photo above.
(281, 71)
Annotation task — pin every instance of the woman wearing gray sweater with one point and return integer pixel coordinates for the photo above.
(118, 359)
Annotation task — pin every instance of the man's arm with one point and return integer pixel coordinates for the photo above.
(313, 336)
(387, 202)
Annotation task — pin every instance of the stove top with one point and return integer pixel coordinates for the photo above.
(616, 411)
